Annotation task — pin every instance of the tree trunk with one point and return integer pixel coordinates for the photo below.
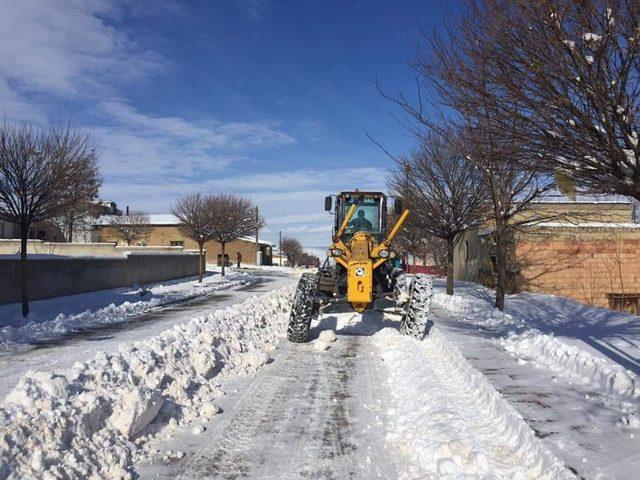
(223, 261)
(70, 233)
(450, 245)
(24, 280)
(501, 266)
(200, 261)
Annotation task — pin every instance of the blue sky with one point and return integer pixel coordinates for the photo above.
(269, 99)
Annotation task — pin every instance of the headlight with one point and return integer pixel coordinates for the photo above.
(383, 253)
(336, 252)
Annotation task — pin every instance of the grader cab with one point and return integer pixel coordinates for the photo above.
(361, 267)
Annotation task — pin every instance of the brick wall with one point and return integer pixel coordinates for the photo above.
(580, 263)
(163, 235)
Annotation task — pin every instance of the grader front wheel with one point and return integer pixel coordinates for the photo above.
(303, 309)
(416, 316)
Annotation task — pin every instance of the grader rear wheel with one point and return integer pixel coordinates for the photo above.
(303, 309)
(416, 316)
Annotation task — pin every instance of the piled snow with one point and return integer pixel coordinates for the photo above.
(324, 340)
(327, 336)
(450, 422)
(142, 299)
(548, 351)
(482, 313)
(95, 421)
(621, 387)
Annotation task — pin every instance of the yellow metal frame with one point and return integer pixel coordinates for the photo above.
(361, 257)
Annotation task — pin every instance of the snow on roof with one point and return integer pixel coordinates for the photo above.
(556, 197)
(163, 219)
(588, 225)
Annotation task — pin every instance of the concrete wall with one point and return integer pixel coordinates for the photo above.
(105, 249)
(56, 276)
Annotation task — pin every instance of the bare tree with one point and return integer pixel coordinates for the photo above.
(131, 227)
(196, 221)
(41, 173)
(437, 248)
(292, 249)
(573, 70)
(458, 79)
(445, 191)
(308, 260)
(77, 215)
(232, 217)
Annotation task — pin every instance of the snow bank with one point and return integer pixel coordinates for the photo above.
(474, 310)
(579, 365)
(95, 421)
(450, 422)
(138, 300)
(619, 385)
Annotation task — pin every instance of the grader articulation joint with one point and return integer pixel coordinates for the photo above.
(364, 267)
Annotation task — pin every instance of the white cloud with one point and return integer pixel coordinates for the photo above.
(64, 56)
(67, 48)
(59, 51)
(291, 202)
(154, 147)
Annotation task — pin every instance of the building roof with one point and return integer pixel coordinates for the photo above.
(556, 197)
(604, 225)
(168, 219)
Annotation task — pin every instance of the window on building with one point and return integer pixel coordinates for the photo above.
(177, 243)
(625, 302)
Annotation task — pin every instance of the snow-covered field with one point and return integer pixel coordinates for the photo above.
(61, 316)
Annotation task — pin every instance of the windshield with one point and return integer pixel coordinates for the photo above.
(366, 217)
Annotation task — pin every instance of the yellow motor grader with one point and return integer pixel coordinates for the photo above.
(361, 267)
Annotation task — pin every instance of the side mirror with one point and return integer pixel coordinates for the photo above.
(397, 206)
(328, 203)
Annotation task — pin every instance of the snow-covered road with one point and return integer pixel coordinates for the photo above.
(199, 392)
(374, 405)
(62, 352)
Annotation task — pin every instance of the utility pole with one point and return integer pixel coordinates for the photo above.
(258, 256)
(280, 246)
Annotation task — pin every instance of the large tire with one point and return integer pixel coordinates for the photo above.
(416, 317)
(303, 309)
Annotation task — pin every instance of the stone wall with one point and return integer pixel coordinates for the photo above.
(51, 276)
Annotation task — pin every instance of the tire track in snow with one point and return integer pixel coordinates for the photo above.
(301, 418)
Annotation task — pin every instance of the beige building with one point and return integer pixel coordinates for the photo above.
(585, 250)
(39, 231)
(165, 232)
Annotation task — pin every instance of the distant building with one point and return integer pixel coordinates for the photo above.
(165, 232)
(589, 252)
(108, 208)
(37, 231)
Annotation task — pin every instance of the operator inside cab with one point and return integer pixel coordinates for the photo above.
(360, 223)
